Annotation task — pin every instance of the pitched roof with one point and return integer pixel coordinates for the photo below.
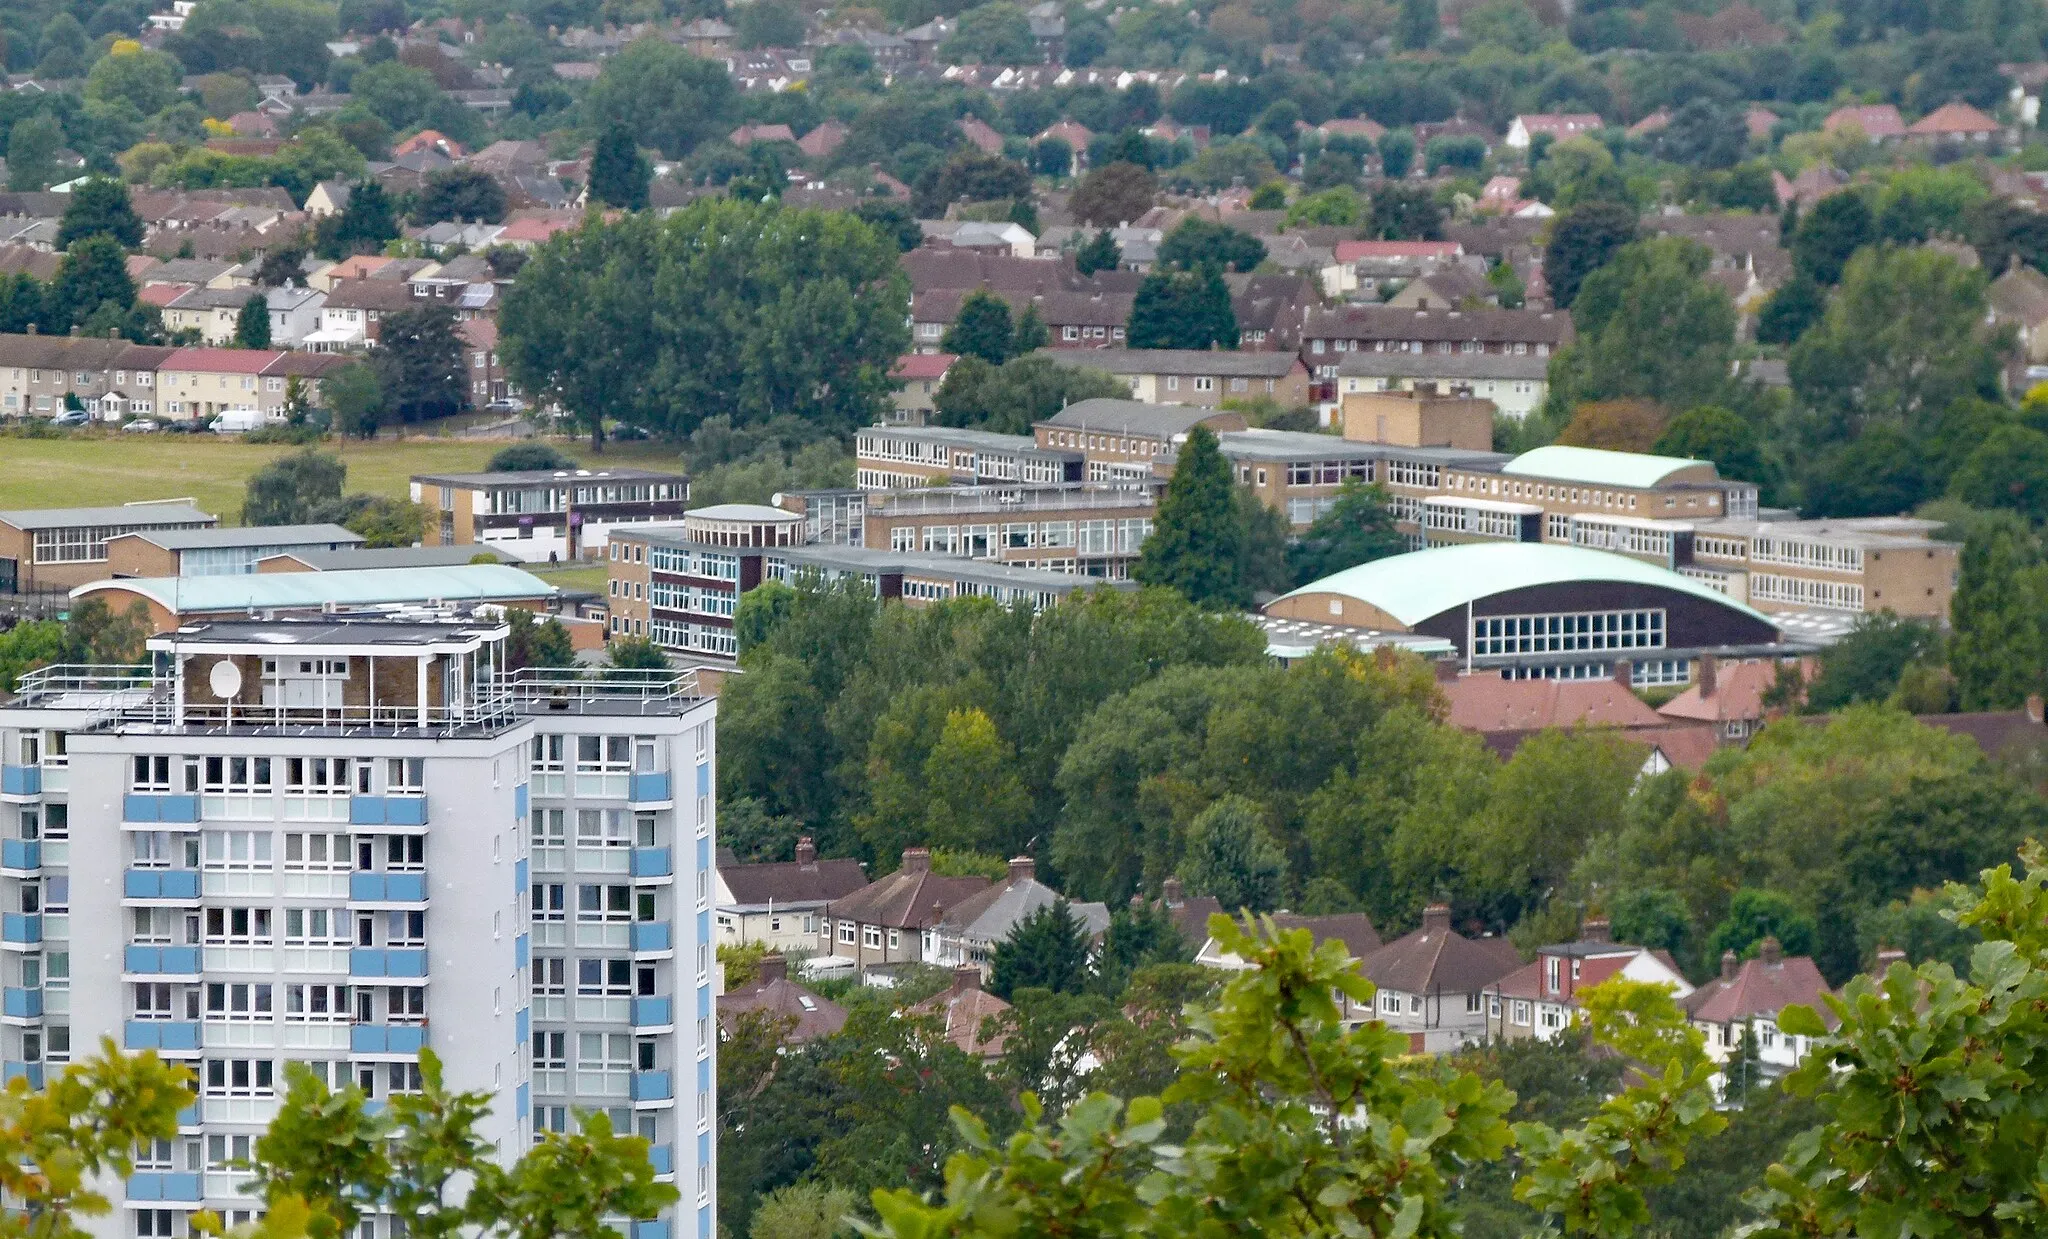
(913, 366)
(913, 897)
(983, 138)
(1876, 120)
(962, 1009)
(1229, 362)
(1438, 959)
(303, 590)
(1739, 690)
(326, 536)
(1387, 322)
(1135, 417)
(221, 360)
(1953, 117)
(171, 513)
(1486, 702)
(1762, 986)
(787, 882)
(989, 915)
(811, 1015)
(1524, 366)
(1355, 251)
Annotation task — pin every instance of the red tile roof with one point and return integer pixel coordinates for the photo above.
(760, 133)
(963, 1008)
(221, 360)
(1877, 120)
(1738, 694)
(160, 295)
(1487, 703)
(811, 1015)
(533, 229)
(1759, 987)
(913, 366)
(1437, 959)
(1955, 117)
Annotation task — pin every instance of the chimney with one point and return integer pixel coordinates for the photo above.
(917, 860)
(773, 967)
(966, 979)
(1170, 892)
(1022, 869)
(1625, 674)
(1728, 965)
(2034, 708)
(1446, 670)
(806, 852)
(1596, 930)
(1436, 918)
(1770, 950)
(1709, 677)
(1886, 957)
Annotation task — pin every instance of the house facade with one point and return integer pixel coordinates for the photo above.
(780, 903)
(884, 922)
(1541, 999)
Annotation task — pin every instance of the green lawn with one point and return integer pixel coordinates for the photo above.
(591, 577)
(92, 470)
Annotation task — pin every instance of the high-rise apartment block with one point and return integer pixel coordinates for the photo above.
(337, 841)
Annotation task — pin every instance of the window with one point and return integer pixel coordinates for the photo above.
(548, 837)
(1206, 383)
(1521, 1013)
(238, 850)
(150, 774)
(316, 1004)
(405, 929)
(320, 853)
(153, 1001)
(407, 853)
(846, 933)
(604, 903)
(548, 977)
(316, 927)
(239, 1002)
(871, 936)
(237, 925)
(604, 977)
(1599, 630)
(240, 1077)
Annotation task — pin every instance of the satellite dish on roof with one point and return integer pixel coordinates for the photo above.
(225, 678)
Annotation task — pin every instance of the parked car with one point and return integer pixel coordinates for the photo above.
(504, 406)
(237, 421)
(72, 417)
(190, 426)
(141, 426)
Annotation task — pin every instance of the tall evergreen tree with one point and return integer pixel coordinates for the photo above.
(1183, 309)
(1996, 653)
(1099, 253)
(1197, 541)
(1031, 334)
(363, 226)
(982, 330)
(618, 171)
(1357, 529)
(252, 325)
(100, 206)
(1231, 856)
(1046, 950)
(94, 273)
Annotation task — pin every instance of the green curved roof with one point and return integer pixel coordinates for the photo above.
(358, 587)
(1415, 586)
(1592, 466)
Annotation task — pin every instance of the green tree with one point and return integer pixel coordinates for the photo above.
(1902, 339)
(419, 363)
(32, 146)
(1417, 24)
(797, 313)
(1582, 240)
(1183, 309)
(1797, 305)
(252, 323)
(93, 633)
(1197, 541)
(974, 798)
(463, 194)
(760, 611)
(81, 1129)
(1710, 432)
(1648, 326)
(1754, 915)
(529, 456)
(92, 279)
(619, 173)
(1403, 213)
(363, 226)
(354, 398)
(1356, 530)
(1865, 664)
(381, 519)
(1113, 194)
(1231, 855)
(1830, 235)
(1997, 652)
(2008, 470)
(805, 1211)
(1654, 917)
(98, 207)
(1047, 950)
(1337, 207)
(992, 34)
(27, 646)
(292, 489)
(662, 95)
(1197, 243)
(145, 80)
(982, 329)
(1099, 253)
(537, 641)
(1397, 156)
(635, 654)
(1031, 335)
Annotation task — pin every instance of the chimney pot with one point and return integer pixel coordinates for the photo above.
(917, 860)
(806, 851)
(1596, 930)
(1709, 675)
(1770, 950)
(1625, 673)
(966, 979)
(1022, 869)
(1436, 918)
(1170, 891)
(773, 967)
(1728, 965)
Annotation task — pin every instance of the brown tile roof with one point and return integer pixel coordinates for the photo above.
(963, 1007)
(792, 881)
(1738, 693)
(1437, 959)
(823, 140)
(1385, 322)
(370, 294)
(913, 897)
(1762, 986)
(1487, 703)
(1952, 118)
(981, 137)
(811, 1016)
(1877, 120)
(1353, 929)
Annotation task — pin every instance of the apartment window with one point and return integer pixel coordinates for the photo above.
(604, 977)
(316, 927)
(154, 1001)
(405, 929)
(150, 774)
(549, 977)
(240, 1077)
(156, 926)
(316, 853)
(316, 1004)
(239, 1002)
(238, 926)
(404, 776)
(407, 853)
(238, 850)
(604, 828)
(550, 903)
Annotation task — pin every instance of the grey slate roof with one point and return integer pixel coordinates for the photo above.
(323, 560)
(990, 915)
(251, 535)
(1132, 417)
(127, 514)
(1228, 363)
(1524, 366)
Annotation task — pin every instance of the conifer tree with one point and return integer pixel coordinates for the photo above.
(1196, 542)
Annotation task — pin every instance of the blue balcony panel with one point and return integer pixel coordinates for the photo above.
(21, 780)
(168, 1035)
(405, 810)
(161, 960)
(651, 863)
(663, 1157)
(405, 962)
(163, 1185)
(522, 1023)
(522, 950)
(651, 1086)
(189, 1116)
(650, 1230)
(22, 1004)
(523, 1100)
(32, 1072)
(654, 1012)
(160, 884)
(386, 1038)
(520, 799)
(650, 787)
(387, 887)
(651, 936)
(703, 778)
(21, 854)
(366, 810)
(21, 927)
(703, 1075)
(521, 870)
(159, 807)
(365, 961)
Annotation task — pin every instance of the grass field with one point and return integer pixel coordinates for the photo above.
(590, 577)
(82, 470)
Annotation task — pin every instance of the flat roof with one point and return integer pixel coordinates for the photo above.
(1293, 638)
(1415, 586)
(986, 571)
(1593, 466)
(1222, 362)
(352, 558)
(1875, 533)
(537, 477)
(248, 536)
(979, 440)
(1133, 417)
(1482, 505)
(125, 514)
(1294, 445)
(362, 588)
(754, 513)
(324, 631)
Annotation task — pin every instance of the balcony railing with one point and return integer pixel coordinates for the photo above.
(21, 928)
(651, 787)
(21, 780)
(649, 691)
(662, 1157)
(163, 1185)
(387, 887)
(386, 1038)
(652, 863)
(651, 936)
(156, 807)
(21, 855)
(390, 962)
(32, 1072)
(21, 1004)
(160, 1035)
(651, 1086)
(177, 961)
(387, 810)
(178, 884)
(653, 1012)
